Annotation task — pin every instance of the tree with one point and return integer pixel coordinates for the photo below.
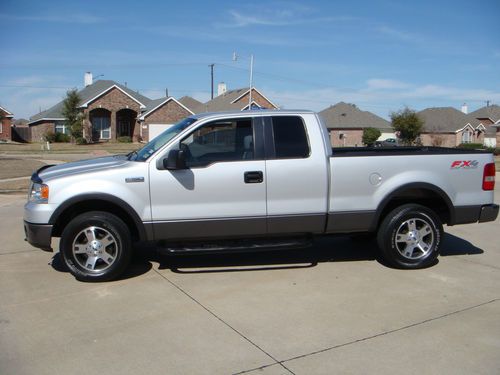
(72, 114)
(370, 135)
(407, 123)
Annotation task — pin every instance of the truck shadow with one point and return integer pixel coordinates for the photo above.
(327, 249)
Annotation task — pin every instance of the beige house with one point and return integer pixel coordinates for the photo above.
(345, 123)
(489, 116)
(449, 127)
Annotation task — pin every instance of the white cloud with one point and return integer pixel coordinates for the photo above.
(384, 84)
(79, 18)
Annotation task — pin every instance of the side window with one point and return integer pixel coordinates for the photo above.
(219, 141)
(290, 139)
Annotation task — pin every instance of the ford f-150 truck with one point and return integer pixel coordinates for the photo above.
(252, 180)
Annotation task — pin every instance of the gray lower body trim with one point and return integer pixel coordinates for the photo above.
(296, 224)
(351, 222)
(39, 235)
(237, 227)
(209, 228)
(488, 213)
(466, 214)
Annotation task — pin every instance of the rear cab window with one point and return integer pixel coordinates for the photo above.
(290, 138)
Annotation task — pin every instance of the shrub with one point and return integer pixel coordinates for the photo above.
(370, 135)
(124, 139)
(62, 138)
(471, 146)
(81, 141)
(49, 137)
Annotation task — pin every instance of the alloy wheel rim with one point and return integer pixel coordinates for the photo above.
(414, 238)
(95, 249)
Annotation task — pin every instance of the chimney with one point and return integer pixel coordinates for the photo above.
(465, 109)
(87, 79)
(221, 88)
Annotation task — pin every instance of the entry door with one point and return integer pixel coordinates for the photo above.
(223, 191)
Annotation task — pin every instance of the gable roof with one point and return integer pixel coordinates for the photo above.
(446, 120)
(155, 104)
(189, 102)
(87, 95)
(7, 113)
(345, 115)
(492, 112)
(229, 101)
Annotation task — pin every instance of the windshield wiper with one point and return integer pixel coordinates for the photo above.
(131, 154)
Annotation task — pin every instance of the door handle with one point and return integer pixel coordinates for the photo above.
(254, 177)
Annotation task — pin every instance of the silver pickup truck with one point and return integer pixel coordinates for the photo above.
(254, 180)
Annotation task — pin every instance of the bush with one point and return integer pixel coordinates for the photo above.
(62, 138)
(81, 141)
(471, 146)
(49, 137)
(125, 139)
(370, 135)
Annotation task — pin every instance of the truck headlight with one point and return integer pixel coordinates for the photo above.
(39, 193)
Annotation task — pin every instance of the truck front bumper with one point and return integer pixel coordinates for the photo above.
(38, 235)
(488, 213)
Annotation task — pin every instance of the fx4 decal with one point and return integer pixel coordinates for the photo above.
(465, 164)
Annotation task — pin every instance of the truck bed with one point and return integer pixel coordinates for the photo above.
(401, 150)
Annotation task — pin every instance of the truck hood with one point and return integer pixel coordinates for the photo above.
(82, 166)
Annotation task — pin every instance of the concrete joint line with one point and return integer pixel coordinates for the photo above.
(275, 361)
(373, 336)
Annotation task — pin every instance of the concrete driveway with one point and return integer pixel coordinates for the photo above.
(326, 310)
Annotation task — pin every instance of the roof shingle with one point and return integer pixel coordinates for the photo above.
(348, 116)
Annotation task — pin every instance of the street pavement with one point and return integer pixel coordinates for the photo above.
(330, 309)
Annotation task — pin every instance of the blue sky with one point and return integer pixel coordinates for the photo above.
(380, 55)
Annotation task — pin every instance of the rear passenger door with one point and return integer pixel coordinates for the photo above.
(297, 175)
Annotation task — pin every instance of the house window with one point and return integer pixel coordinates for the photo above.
(467, 136)
(61, 127)
(102, 127)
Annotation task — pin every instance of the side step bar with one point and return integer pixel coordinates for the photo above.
(236, 246)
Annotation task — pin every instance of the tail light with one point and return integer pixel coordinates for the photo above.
(489, 176)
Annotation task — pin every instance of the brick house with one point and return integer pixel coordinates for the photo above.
(489, 116)
(5, 124)
(234, 100)
(449, 127)
(345, 123)
(110, 110)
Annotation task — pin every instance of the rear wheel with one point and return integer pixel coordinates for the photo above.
(96, 246)
(410, 237)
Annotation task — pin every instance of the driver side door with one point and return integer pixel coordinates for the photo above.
(222, 192)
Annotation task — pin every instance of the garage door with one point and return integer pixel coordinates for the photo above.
(156, 129)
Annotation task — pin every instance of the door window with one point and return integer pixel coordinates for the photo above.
(219, 141)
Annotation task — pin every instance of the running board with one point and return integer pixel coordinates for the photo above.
(235, 246)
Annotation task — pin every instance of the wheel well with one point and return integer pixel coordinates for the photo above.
(94, 205)
(424, 197)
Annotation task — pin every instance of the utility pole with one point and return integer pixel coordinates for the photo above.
(212, 76)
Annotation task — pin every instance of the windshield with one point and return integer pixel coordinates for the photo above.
(158, 142)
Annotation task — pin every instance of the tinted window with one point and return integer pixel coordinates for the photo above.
(219, 141)
(290, 139)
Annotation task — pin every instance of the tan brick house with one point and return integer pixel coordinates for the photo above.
(110, 111)
(449, 127)
(5, 124)
(489, 116)
(345, 123)
(235, 100)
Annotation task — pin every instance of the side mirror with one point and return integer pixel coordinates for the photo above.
(175, 160)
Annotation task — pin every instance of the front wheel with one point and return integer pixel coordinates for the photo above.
(96, 246)
(410, 237)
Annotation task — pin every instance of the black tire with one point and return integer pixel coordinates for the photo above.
(96, 246)
(410, 236)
